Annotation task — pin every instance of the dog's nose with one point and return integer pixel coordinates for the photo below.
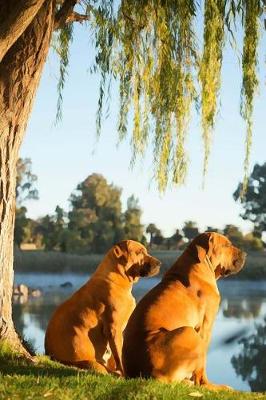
(156, 261)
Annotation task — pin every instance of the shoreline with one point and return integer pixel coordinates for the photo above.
(37, 261)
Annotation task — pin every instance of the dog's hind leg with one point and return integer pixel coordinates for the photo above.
(177, 354)
(180, 355)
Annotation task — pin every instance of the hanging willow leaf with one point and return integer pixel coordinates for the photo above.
(150, 47)
(252, 11)
(210, 69)
(64, 39)
(154, 54)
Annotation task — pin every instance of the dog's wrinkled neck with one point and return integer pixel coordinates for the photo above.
(209, 263)
(186, 270)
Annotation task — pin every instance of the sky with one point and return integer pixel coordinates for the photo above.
(65, 154)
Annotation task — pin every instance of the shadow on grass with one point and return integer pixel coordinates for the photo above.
(64, 383)
(11, 366)
(115, 387)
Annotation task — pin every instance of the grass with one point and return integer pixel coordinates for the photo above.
(52, 261)
(51, 380)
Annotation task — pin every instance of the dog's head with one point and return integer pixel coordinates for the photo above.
(219, 252)
(135, 260)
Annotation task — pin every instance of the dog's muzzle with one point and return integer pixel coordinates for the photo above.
(151, 267)
(239, 261)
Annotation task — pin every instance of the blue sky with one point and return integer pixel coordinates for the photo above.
(65, 154)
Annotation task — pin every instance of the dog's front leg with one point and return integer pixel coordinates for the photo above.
(115, 339)
(206, 333)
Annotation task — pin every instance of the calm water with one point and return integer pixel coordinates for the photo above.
(237, 354)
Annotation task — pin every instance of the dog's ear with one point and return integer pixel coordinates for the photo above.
(117, 251)
(200, 253)
(201, 246)
(120, 249)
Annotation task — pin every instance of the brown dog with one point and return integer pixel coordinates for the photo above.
(168, 333)
(83, 327)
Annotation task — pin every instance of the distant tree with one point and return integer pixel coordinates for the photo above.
(72, 242)
(256, 233)
(234, 234)
(158, 238)
(254, 199)
(248, 241)
(26, 180)
(20, 225)
(212, 229)
(31, 234)
(175, 240)
(152, 230)
(51, 228)
(45, 228)
(133, 229)
(25, 190)
(190, 230)
(59, 227)
(252, 242)
(96, 213)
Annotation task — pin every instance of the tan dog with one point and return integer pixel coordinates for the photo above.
(168, 334)
(83, 327)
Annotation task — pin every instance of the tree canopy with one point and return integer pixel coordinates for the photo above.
(96, 213)
(190, 229)
(95, 222)
(254, 199)
(25, 190)
(152, 48)
(26, 180)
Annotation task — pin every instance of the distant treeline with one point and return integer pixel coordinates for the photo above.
(96, 221)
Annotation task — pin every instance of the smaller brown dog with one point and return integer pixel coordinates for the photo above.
(83, 327)
(168, 333)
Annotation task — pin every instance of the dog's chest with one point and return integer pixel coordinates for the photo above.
(208, 306)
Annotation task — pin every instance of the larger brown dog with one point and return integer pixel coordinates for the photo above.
(83, 327)
(168, 334)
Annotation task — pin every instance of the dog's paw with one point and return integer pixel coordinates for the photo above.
(188, 382)
(118, 373)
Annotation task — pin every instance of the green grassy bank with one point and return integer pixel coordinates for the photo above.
(47, 379)
(52, 261)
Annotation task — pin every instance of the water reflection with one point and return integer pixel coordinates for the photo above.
(250, 363)
(247, 308)
(237, 354)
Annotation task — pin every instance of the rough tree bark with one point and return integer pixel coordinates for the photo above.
(20, 70)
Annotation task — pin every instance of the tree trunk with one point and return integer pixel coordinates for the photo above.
(20, 71)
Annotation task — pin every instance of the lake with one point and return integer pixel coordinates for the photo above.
(237, 355)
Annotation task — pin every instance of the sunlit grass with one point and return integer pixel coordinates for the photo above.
(46, 379)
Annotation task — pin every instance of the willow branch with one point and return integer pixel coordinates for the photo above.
(76, 17)
(64, 12)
